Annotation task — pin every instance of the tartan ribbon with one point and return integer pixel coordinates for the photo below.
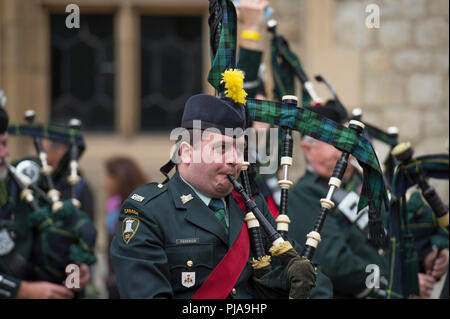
(378, 134)
(403, 258)
(224, 55)
(53, 132)
(409, 174)
(285, 65)
(323, 129)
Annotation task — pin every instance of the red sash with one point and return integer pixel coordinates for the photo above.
(223, 278)
(272, 206)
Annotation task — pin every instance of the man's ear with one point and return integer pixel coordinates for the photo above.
(306, 147)
(185, 152)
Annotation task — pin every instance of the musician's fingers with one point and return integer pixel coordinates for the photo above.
(439, 271)
(425, 293)
(428, 282)
(61, 292)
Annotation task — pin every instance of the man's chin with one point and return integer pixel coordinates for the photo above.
(224, 189)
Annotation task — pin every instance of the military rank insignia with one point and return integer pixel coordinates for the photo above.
(129, 227)
(188, 279)
(186, 198)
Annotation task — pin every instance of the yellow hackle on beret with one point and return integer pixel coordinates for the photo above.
(234, 85)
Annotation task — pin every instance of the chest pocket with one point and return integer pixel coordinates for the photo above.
(190, 265)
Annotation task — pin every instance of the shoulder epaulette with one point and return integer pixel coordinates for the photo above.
(145, 193)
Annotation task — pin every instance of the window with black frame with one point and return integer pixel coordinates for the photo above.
(171, 68)
(82, 71)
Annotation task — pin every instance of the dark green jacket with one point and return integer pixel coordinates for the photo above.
(14, 219)
(171, 233)
(425, 228)
(345, 251)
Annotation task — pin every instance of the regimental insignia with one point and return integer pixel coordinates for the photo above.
(6, 243)
(129, 227)
(137, 197)
(188, 279)
(186, 198)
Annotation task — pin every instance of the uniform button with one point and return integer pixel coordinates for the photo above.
(233, 291)
(160, 185)
(190, 263)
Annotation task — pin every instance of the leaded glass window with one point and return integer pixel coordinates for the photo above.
(82, 71)
(171, 60)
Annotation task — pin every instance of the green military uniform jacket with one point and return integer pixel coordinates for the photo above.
(14, 220)
(344, 252)
(174, 232)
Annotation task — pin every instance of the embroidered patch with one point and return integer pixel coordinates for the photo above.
(137, 197)
(131, 211)
(188, 279)
(129, 227)
(6, 243)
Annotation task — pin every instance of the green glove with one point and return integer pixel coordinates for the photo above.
(299, 273)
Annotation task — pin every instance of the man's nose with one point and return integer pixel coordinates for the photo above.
(233, 156)
(4, 151)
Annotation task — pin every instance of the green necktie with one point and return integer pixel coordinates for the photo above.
(217, 206)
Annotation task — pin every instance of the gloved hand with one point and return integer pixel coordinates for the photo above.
(299, 273)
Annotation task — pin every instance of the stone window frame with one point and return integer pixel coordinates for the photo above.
(126, 16)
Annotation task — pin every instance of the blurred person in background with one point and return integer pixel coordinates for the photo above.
(58, 157)
(122, 176)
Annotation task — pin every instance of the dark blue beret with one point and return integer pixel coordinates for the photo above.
(213, 112)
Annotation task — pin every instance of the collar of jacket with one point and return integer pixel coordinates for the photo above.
(197, 213)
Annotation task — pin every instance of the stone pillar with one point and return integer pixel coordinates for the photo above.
(24, 65)
(128, 71)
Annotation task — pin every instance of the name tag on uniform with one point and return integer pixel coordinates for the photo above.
(187, 241)
(6, 243)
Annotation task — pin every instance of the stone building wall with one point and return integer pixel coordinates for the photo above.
(404, 68)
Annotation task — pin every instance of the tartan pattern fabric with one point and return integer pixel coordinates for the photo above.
(321, 128)
(52, 132)
(62, 237)
(225, 57)
(284, 66)
(403, 264)
(389, 163)
(378, 134)
(434, 166)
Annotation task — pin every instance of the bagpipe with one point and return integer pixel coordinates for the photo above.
(410, 221)
(409, 172)
(286, 65)
(294, 275)
(63, 234)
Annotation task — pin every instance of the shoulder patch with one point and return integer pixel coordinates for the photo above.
(130, 226)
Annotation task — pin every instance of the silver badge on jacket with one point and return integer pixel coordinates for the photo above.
(6, 243)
